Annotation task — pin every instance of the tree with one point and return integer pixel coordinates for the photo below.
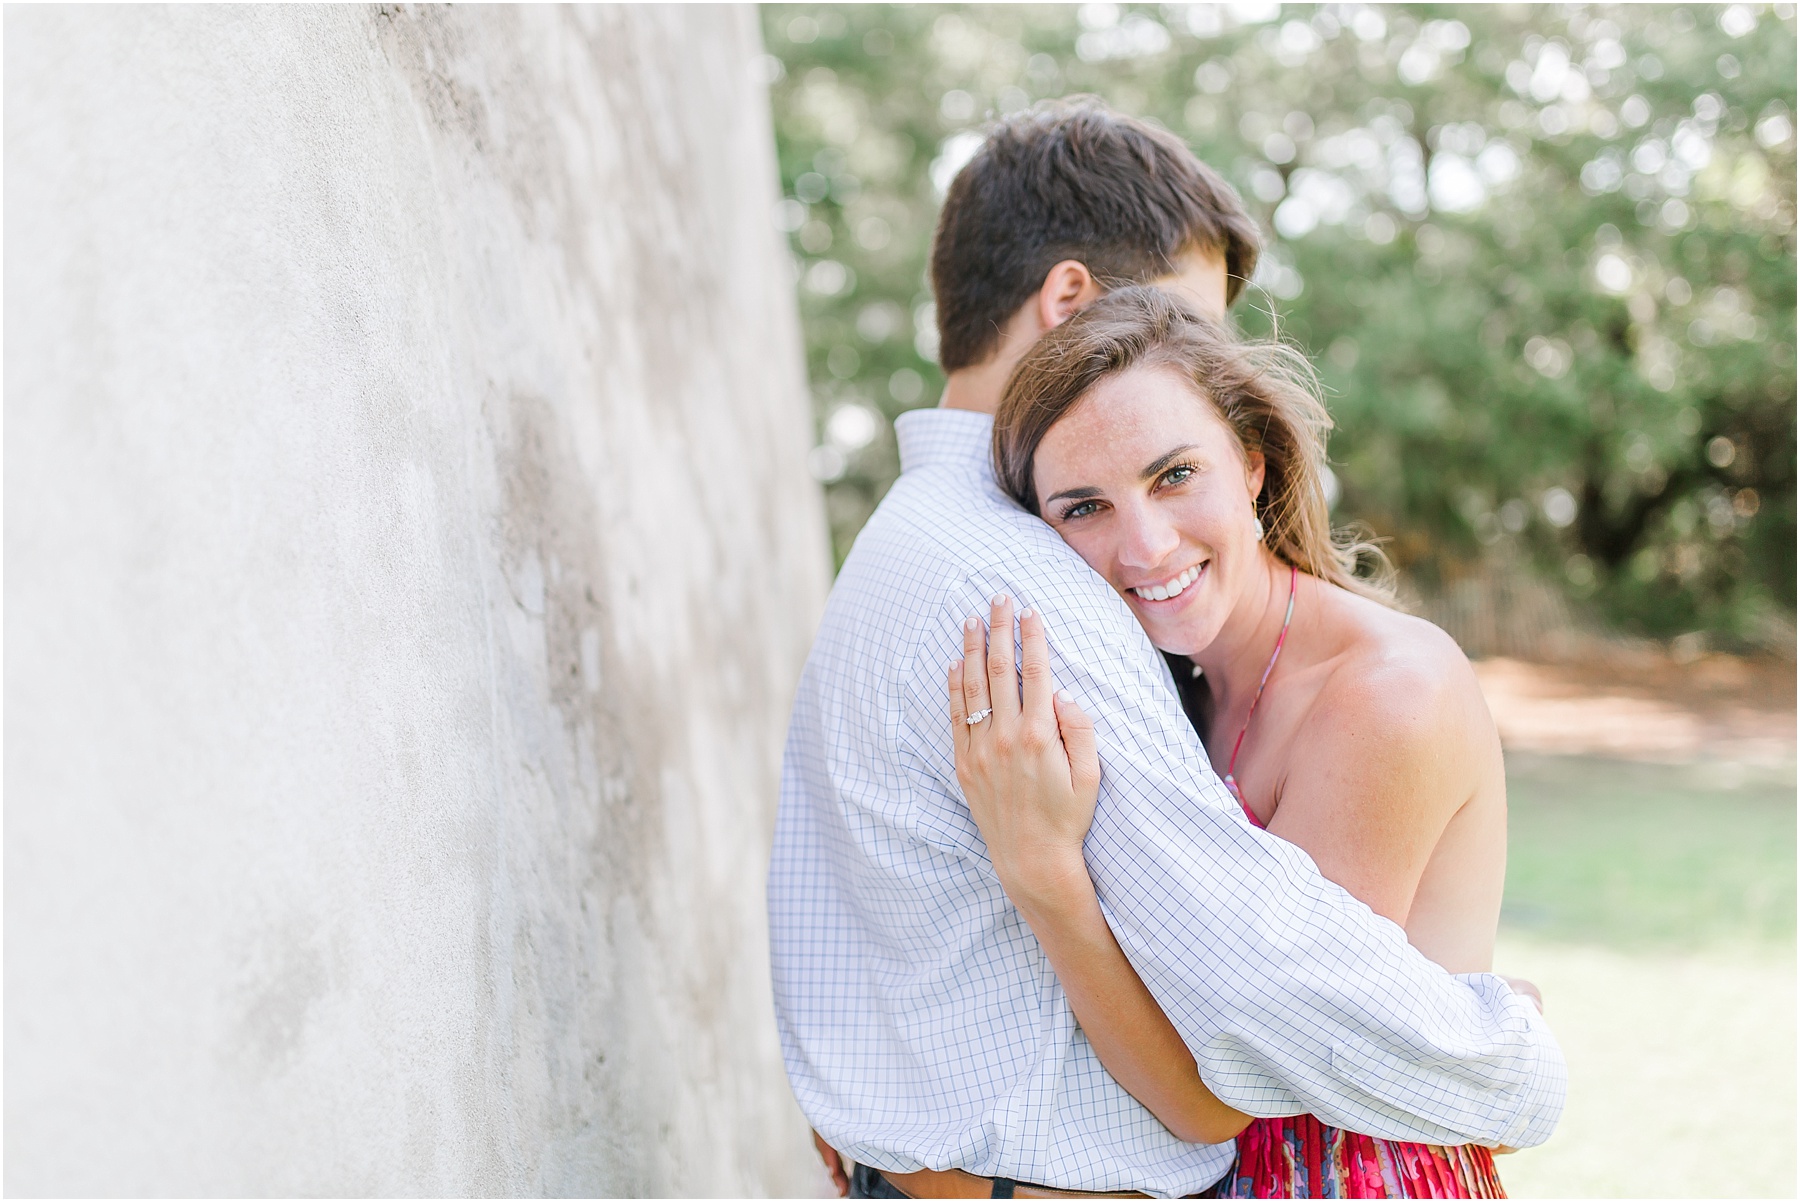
(1543, 256)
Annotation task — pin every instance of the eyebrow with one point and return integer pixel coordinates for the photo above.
(1151, 472)
(1073, 494)
(1157, 468)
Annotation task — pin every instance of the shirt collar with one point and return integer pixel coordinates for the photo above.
(945, 436)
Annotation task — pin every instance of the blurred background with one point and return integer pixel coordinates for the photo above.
(1544, 260)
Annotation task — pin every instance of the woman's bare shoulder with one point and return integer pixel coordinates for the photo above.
(1383, 760)
(1388, 655)
(1399, 687)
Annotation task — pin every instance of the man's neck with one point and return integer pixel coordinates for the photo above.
(978, 388)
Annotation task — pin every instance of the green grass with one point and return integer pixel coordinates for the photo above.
(1681, 1072)
(1641, 857)
(1654, 905)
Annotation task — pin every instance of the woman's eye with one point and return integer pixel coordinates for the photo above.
(1081, 509)
(1178, 475)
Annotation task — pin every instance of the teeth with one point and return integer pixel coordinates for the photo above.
(1174, 588)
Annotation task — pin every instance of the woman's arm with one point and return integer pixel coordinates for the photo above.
(1034, 801)
(1396, 791)
(1129, 1032)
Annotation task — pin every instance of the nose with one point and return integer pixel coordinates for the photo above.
(1147, 537)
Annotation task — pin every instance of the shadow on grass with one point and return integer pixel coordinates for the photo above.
(1649, 857)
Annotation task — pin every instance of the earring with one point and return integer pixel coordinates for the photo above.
(1256, 524)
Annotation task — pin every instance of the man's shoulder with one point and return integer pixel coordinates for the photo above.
(939, 546)
(938, 528)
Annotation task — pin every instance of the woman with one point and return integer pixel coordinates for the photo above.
(1185, 466)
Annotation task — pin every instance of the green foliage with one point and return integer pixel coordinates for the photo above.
(1544, 257)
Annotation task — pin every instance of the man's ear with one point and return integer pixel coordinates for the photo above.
(1069, 287)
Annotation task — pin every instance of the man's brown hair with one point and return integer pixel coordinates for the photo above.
(1072, 179)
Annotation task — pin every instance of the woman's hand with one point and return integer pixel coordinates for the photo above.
(1028, 769)
(1527, 990)
(1031, 775)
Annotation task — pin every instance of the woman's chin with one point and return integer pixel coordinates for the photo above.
(1185, 631)
(1178, 646)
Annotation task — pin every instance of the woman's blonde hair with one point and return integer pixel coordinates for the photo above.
(1266, 392)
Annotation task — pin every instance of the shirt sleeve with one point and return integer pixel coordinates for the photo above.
(1293, 996)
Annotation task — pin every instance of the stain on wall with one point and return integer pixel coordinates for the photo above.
(410, 556)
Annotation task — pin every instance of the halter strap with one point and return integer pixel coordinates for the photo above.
(1280, 641)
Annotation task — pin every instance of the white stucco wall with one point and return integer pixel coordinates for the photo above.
(409, 558)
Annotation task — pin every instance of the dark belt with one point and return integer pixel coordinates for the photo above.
(954, 1183)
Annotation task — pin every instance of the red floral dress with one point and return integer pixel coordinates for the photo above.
(1300, 1157)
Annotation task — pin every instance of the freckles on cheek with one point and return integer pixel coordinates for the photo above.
(1090, 547)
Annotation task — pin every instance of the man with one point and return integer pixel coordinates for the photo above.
(925, 1035)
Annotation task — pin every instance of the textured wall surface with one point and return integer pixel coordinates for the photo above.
(409, 558)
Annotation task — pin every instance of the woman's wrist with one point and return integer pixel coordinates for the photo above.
(1048, 885)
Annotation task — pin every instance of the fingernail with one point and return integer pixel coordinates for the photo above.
(999, 598)
(1024, 613)
(955, 664)
(1066, 697)
(971, 623)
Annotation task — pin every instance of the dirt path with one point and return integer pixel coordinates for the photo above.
(1717, 708)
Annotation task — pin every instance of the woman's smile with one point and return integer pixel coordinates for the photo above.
(1172, 589)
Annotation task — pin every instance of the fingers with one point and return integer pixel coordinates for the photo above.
(1003, 677)
(1034, 670)
(959, 712)
(997, 687)
(834, 1165)
(974, 683)
(1077, 731)
(1526, 990)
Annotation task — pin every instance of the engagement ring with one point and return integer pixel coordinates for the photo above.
(977, 716)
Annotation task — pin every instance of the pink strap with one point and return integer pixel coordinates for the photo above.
(1231, 765)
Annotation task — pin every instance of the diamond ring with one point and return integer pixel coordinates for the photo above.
(977, 716)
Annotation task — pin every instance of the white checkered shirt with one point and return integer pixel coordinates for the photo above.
(921, 1023)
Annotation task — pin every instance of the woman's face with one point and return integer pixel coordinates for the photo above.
(1145, 480)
